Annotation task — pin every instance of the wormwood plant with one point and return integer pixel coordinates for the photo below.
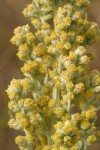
(56, 103)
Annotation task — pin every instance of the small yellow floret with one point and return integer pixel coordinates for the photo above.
(85, 124)
(60, 46)
(67, 46)
(19, 116)
(11, 122)
(66, 21)
(80, 39)
(59, 111)
(70, 95)
(91, 139)
(20, 139)
(11, 105)
(26, 84)
(24, 123)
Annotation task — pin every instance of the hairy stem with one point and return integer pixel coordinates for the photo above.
(85, 145)
(55, 93)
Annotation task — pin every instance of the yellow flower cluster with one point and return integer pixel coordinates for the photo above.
(78, 3)
(27, 141)
(18, 88)
(34, 118)
(73, 127)
(56, 78)
(39, 12)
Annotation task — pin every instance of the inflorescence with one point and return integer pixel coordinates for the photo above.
(56, 102)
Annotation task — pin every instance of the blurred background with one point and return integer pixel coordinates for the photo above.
(10, 17)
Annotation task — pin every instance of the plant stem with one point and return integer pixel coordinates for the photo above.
(85, 145)
(49, 140)
(60, 63)
(69, 106)
(55, 93)
(56, 5)
(31, 148)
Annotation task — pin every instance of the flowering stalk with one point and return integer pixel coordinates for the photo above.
(56, 78)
